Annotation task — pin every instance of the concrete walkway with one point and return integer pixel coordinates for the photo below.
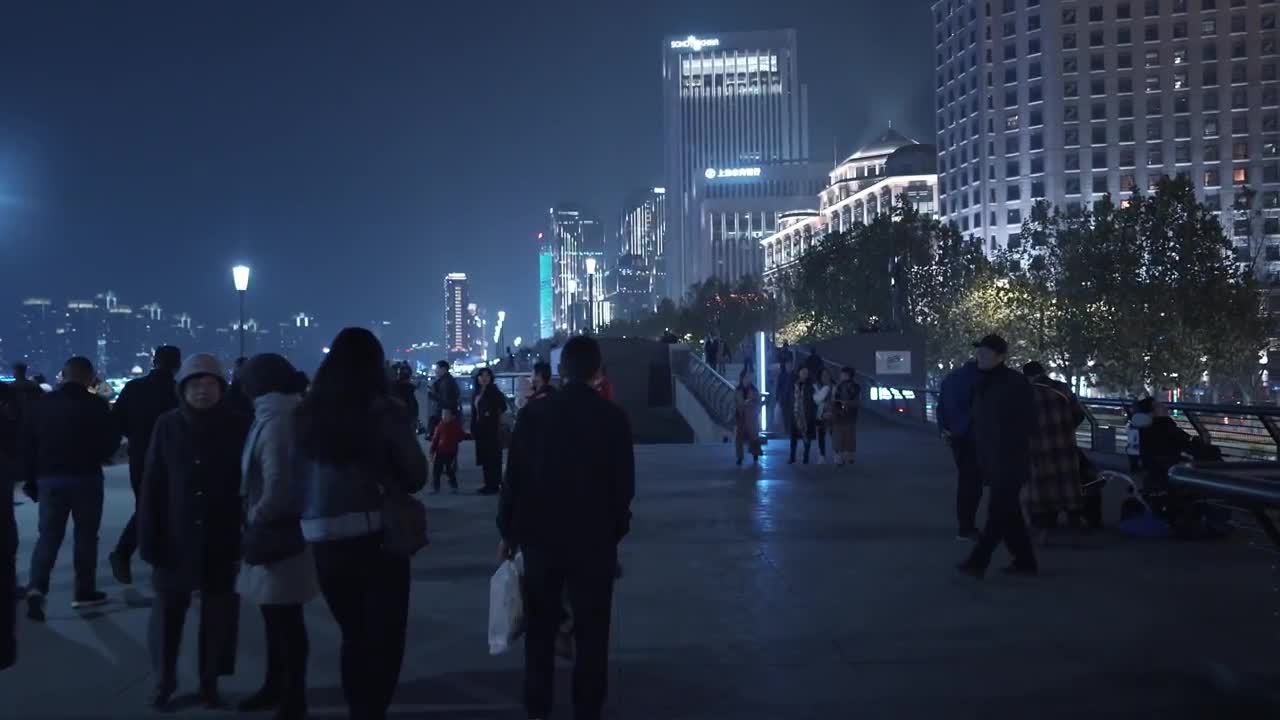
(783, 592)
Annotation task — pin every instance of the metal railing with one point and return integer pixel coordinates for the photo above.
(711, 389)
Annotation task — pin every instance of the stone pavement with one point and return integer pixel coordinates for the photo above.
(773, 593)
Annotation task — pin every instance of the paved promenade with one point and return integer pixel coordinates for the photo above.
(784, 592)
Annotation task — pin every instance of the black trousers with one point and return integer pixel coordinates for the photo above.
(445, 465)
(61, 500)
(287, 650)
(219, 614)
(367, 590)
(590, 592)
(1004, 525)
(127, 545)
(968, 482)
(797, 437)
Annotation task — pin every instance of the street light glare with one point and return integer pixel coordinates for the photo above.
(591, 266)
(240, 274)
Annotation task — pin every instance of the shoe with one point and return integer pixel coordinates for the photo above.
(159, 700)
(968, 535)
(89, 599)
(35, 605)
(120, 569)
(265, 699)
(973, 571)
(1021, 570)
(211, 699)
(487, 491)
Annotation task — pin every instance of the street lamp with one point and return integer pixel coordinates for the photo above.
(591, 296)
(240, 274)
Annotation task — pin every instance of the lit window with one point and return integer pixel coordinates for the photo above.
(1240, 176)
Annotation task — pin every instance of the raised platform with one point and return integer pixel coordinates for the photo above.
(778, 593)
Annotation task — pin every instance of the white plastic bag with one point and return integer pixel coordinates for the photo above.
(506, 606)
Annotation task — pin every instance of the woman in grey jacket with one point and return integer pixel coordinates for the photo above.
(273, 498)
(354, 447)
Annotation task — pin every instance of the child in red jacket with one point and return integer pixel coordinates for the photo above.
(444, 450)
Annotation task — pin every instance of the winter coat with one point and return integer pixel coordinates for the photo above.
(407, 392)
(444, 394)
(955, 399)
(845, 401)
(344, 501)
(1002, 419)
(1055, 460)
(67, 433)
(804, 410)
(747, 413)
(189, 512)
(447, 437)
(272, 492)
(140, 405)
(487, 408)
(570, 479)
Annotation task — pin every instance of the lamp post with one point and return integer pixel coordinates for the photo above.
(240, 274)
(572, 286)
(591, 296)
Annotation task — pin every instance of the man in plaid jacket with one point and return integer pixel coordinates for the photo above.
(1055, 484)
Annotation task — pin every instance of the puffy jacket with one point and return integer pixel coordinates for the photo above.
(68, 432)
(140, 405)
(343, 501)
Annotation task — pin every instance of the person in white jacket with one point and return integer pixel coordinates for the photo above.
(823, 391)
(273, 500)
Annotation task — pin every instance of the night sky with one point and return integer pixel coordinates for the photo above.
(353, 153)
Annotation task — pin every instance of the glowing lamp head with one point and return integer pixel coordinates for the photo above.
(240, 274)
(591, 266)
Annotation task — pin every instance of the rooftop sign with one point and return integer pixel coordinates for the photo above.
(695, 44)
(746, 172)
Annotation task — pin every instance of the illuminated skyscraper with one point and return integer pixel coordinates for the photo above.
(575, 237)
(39, 324)
(546, 288)
(456, 300)
(732, 102)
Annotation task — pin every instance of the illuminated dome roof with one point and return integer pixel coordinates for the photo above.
(888, 142)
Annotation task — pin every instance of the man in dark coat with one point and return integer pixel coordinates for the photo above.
(784, 389)
(1003, 419)
(140, 405)
(541, 381)
(566, 504)
(955, 405)
(189, 520)
(444, 393)
(804, 414)
(406, 391)
(67, 435)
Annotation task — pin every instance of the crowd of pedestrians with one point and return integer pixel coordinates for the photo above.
(266, 488)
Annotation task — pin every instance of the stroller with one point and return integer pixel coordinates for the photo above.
(1154, 509)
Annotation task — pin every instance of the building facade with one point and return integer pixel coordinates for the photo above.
(866, 184)
(1064, 100)
(546, 288)
(456, 299)
(39, 326)
(576, 238)
(641, 252)
(730, 101)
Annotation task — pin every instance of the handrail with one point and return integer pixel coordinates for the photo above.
(712, 390)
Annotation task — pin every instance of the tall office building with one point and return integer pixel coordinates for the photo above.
(456, 300)
(1064, 100)
(639, 268)
(546, 288)
(731, 102)
(38, 330)
(83, 329)
(576, 237)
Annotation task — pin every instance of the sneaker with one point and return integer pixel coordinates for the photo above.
(89, 599)
(120, 569)
(35, 605)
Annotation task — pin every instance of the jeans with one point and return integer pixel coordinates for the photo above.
(968, 482)
(127, 545)
(367, 590)
(590, 593)
(445, 465)
(1004, 524)
(77, 498)
(797, 438)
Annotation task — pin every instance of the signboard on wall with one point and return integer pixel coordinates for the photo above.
(893, 362)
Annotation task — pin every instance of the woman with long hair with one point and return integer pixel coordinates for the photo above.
(845, 401)
(747, 402)
(487, 408)
(355, 448)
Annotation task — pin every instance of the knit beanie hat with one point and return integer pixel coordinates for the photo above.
(201, 364)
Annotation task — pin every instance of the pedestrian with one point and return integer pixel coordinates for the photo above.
(237, 398)
(67, 436)
(541, 381)
(140, 405)
(1138, 421)
(27, 389)
(711, 350)
(406, 391)
(444, 451)
(784, 388)
(603, 385)
(955, 421)
(1163, 443)
(279, 573)
(444, 393)
(566, 505)
(1003, 417)
(354, 448)
(1055, 484)
(814, 362)
(747, 418)
(804, 415)
(189, 519)
(487, 408)
(846, 401)
(823, 400)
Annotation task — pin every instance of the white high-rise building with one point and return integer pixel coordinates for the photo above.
(456, 299)
(1064, 100)
(731, 102)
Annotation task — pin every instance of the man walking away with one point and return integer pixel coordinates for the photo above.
(443, 394)
(1055, 485)
(406, 391)
(67, 436)
(566, 504)
(541, 381)
(955, 401)
(1002, 421)
(141, 403)
(784, 389)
